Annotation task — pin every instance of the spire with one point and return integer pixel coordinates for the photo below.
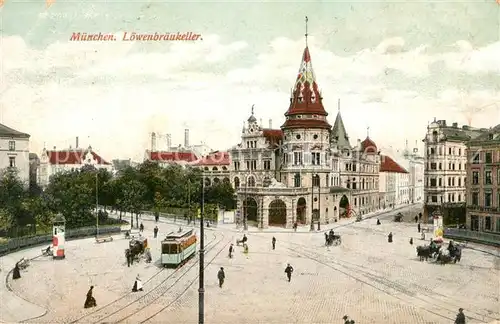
(252, 118)
(338, 135)
(368, 132)
(306, 99)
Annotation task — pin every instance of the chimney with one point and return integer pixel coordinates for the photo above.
(153, 142)
(270, 123)
(169, 141)
(186, 138)
(455, 125)
(76, 144)
(54, 148)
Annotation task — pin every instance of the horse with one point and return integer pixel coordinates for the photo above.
(456, 253)
(424, 252)
(444, 257)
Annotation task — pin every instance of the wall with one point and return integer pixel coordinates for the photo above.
(21, 154)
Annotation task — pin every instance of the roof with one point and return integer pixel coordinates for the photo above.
(369, 146)
(493, 134)
(163, 156)
(10, 132)
(273, 136)
(387, 164)
(215, 158)
(452, 133)
(73, 157)
(306, 98)
(338, 134)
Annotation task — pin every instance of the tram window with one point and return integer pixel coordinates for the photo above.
(169, 249)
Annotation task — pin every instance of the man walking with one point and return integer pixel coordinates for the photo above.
(418, 227)
(231, 249)
(221, 276)
(155, 231)
(274, 243)
(289, 271)
(460, 316)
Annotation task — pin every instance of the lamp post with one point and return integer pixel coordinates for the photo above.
(311, 228)
(97, 204)
(319, 204)
(201, 289)
(245, 205)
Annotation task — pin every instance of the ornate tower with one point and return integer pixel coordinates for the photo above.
(306, 131)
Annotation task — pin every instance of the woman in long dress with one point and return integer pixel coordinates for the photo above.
(90, 301)
(137, 284)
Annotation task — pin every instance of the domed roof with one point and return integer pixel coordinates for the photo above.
(369, 146)
(252, 119)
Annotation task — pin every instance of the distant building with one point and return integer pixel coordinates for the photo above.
(483, 185)
(445, 169)
(14, 152)
(394, 183)
(54, 161)
(119, 165)
(34, 165)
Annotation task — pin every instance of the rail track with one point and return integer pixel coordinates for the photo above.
(419, 296)
(156, 286)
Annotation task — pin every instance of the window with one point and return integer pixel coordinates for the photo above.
(12, 145)
(434, 199)
(354, 167)
(297, 158)
(267, 165)
(433, 166)
(449, 182)
(315, 180)
(236, 182)
(12, 161)
(487, 199)
(449, 150)
(236, 166)
(475, 198)
(296, 180)
(316, 158)
(487, 177)
(251, 181)
(459, 182)
(297, 136)
(440, 166)
(459, 197)
(475, 158)
(475, 178)
(440, 182)
(433, 182)
(487, 223)
(459, 151)
(488, 157)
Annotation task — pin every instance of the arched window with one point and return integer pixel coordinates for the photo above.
(251, 181)
(226, 180)
(315, 180)
(214, 169)
(224, 168)
(266, 182)
(206, 168)
(296, 180)
(207, 182)
(236, 182)
(434, 136)
(216, 181)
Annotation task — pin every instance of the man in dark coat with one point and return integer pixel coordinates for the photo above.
(378, 221)
(418, 227)
(289, 271)
(221, 276)
(128, 255)
(231, 249)
(416, 218)
(155, 231)
(460, 317)
(389, 237)
(273, 241)
(411, 240)
(326, 238)
(90, 300)
(141, 227)
(16, 273)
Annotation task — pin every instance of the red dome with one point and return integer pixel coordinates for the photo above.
(369, 146)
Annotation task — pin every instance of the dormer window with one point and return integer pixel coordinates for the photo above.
(299, 116)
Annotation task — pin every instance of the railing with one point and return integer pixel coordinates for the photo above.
(13, 244)
(473, 236)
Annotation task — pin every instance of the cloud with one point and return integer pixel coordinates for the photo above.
(113, 95)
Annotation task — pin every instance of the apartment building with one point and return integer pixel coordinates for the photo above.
(14, 152)
(483, 189)
(445, 169)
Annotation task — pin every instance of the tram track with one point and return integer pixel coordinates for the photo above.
(159, 285)
(367, 276)
(159, 308)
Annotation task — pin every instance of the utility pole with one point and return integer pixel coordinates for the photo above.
(319, 204)
(245, 205)
(201, 289)
(312, 203)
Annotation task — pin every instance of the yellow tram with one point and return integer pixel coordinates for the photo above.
(176, 248)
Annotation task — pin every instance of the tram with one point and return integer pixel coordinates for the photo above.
(177, 248)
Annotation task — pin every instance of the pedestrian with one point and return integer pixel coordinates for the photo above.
(346, 319)
(460, 316)
(147, 253)
(128, 255)
(137, 284)
(155, 231)
(418, 227)
(274, 243)
(411, 240)
(157, 217)
(389, 237)
(295, 225)
(422, 237)
(289, 271)
(419, 216)
(141, 227)
(416, 218)
(90, 300)
(221, 276)
(231, 249)
(326, 238)
(245, 248)
(378, 221)
(16, 273)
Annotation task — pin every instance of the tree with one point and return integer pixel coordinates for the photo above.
(5, 220)
(133, 195)
(222, 194)
(12, 193)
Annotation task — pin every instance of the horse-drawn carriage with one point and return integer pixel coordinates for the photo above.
(434, 250)
(332, 239)
(398, 217)
(137, 246)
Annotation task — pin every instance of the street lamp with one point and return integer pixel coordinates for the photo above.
(97, 204)
(245, 205)
(201, 289)
(311, 228)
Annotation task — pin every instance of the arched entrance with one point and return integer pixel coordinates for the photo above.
(301, 210)
(277, 213)
(250, 209)
(344, 209)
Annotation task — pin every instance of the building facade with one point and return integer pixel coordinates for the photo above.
(14, 152)
(445, 169)
(483, 186)
(55, 161)
(394, 183)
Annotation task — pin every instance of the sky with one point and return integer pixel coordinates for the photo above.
(394, 65)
